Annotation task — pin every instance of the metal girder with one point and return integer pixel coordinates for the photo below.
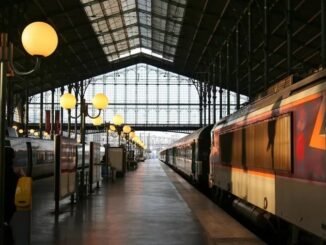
(62, 37)
(195, 34)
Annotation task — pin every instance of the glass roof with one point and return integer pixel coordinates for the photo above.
(128, 27)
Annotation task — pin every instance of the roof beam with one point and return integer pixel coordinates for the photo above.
(195, 34)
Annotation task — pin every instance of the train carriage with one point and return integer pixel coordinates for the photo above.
(190, 156)
(272, 154)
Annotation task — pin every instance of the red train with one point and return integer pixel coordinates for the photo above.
(269, 158)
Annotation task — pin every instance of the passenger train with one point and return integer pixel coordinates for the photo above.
(42, 155)
(269, 158)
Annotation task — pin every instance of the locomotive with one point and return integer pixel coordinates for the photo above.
(269, 158)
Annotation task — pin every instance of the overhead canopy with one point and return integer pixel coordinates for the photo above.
(183, 36)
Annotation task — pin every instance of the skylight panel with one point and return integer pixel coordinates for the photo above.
(123, 32)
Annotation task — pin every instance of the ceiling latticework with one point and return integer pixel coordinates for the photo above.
(182, 36)
(129, 27)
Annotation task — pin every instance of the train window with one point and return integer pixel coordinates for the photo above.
(263, 145)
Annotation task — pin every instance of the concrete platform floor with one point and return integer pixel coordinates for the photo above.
(151, 205)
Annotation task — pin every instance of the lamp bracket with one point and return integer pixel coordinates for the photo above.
(93, 117)
(22, 73)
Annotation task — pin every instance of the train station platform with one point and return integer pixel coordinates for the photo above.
(151, 205)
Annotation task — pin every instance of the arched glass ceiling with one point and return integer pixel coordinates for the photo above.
(129, 27)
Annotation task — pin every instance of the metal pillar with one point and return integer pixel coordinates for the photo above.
(82, 139)
(323, 33)
(227, 79)
(266, 42)
(126, 96)
(157, 96)
(179, 95)
(214, 92)
(249, 63)
(289, 36)
(62, 90)
(237, 67)
(146, 95)
(200, 103)
(41, 115)
(69, 115)
(26, 112)
(52, 114)
(220, 85)
(136, 95)
(76, 107)
(10, 104)
(3, 84)
(168, 98)
(209, 92)
(205, 101)
(189, 97)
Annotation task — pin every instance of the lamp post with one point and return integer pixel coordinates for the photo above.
(39, 40)
(100, 101)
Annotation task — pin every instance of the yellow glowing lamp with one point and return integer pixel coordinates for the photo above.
(21, 131)
(118, 120)
(32, 131)
(126, 129)
(97, 121)
(39, 38)
(36, 133)
(132, 134)
(45, 133)
(14, 127)
(67, 101)
(100, 101)
(112, 128)
(135, 139)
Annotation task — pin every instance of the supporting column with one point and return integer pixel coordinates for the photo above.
(237, 67)
(214, 92)
(147, 71)
(189, 100)
(168, 98)
(52, 114)
(209, 98)
(200, 103)
(228, 77)
(249, 63)
(136, 95)
(220, 85)
(41, 115)
(69, 115)
(3, 85)
(323, 33)
(10, 97)
(266, 42)
(289, 36)
(157, 96)
(76, 107)
(62, 90)
(179, 95)
(126, 114)
(26, 112)
(205, 101)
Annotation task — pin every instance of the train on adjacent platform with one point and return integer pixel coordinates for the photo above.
(268, 159)
(41, 155)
